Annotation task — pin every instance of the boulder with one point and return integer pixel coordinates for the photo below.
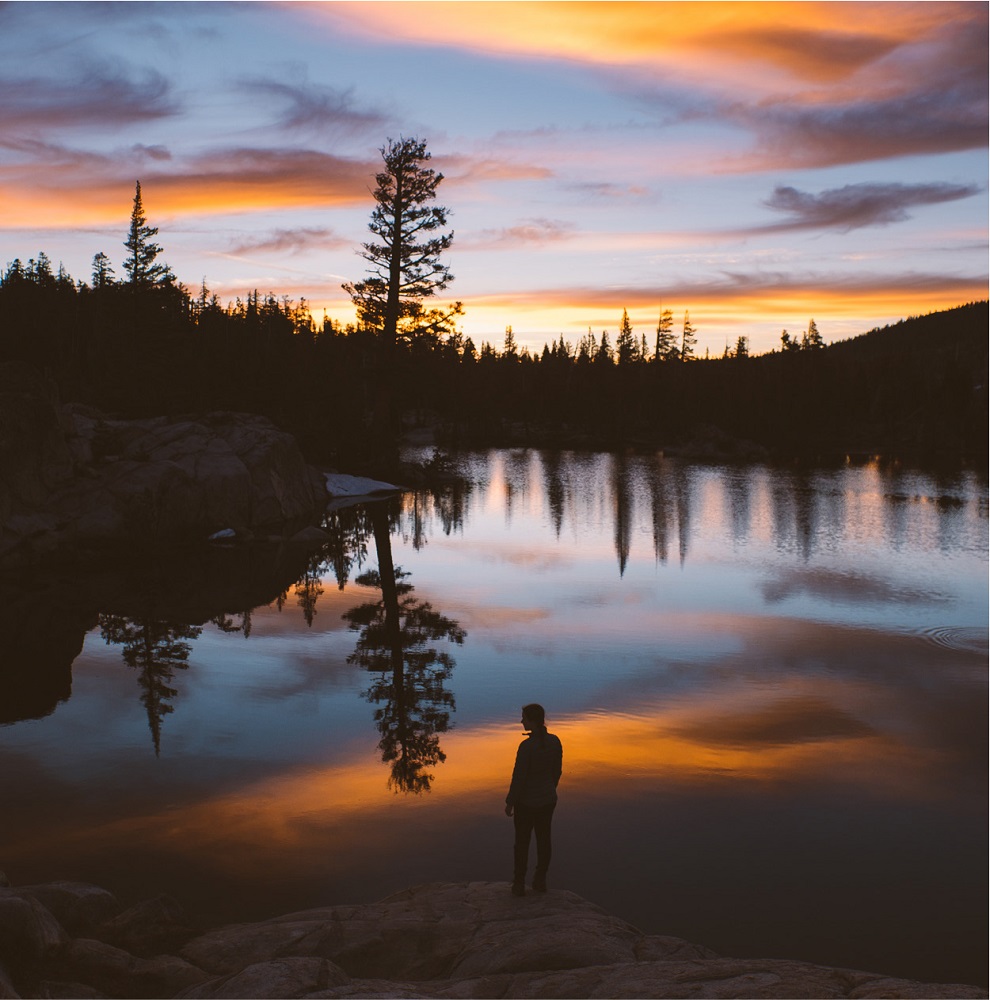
(34, 455)
(118, 973)
(152, 927)
(78, 906)
(7, 991)
(286, 977)
(71, 476)
(27, 930)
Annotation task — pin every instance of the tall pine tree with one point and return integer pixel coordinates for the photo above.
(688, 339)
(405, 256)
(666, 346)
(141, 265)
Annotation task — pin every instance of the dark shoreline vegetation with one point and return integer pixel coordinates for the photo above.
(914, 392)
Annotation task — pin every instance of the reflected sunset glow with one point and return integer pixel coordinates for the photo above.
(607, 755)
(776, 675)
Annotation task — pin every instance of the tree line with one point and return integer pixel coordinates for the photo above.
(145, 345)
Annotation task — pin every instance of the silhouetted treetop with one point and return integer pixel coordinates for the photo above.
(405, 255)
(141, 265)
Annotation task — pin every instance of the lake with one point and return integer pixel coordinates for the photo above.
(770, 685)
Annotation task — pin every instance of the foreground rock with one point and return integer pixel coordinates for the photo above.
(440, 940)
(71, 476)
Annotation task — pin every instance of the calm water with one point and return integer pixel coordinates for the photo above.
(771, 688)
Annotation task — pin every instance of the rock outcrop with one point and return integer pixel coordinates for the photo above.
(71, 476)
(440, 940)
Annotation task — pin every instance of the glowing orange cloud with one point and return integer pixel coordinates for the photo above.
(812, 83)
(60, 194)
(812, 41)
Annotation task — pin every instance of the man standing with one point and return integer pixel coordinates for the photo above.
(533, 796)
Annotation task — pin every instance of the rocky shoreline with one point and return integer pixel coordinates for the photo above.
(73, 478)
(72, 939)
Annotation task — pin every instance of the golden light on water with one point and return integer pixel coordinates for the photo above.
(793, 737)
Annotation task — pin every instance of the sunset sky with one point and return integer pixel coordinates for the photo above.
(757, 164)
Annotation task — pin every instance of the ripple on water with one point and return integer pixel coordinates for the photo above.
(968, 639)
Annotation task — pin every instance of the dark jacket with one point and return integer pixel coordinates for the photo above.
(539, 761)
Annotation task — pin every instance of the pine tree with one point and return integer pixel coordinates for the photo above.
(604, 352)
(666, 346)
(812, 340)
(102, 271)
(510, 348)
(140, 265)
(688, 339)
(587, 347)
(625, 344)
(405, 257)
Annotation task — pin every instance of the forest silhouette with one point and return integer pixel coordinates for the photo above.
(147, 346)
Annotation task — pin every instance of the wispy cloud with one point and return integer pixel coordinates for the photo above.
(607, 190)
(529, 232)
(293, 241)
(922, 124)
(890, 80)
(856, 205)
(97, 94)
(316, 106)
(726, 299)
(463, 169)
(808, 53)
(929, 98)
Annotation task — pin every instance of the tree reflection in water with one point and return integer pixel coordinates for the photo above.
(156, 649)
(396, 639)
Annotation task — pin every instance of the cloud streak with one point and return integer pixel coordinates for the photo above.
(529, 232)
(894, 79)
(95, 95)
(854, 206)
(293, 241)
(60, 182)
(316, 107)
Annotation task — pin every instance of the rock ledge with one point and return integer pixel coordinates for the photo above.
(474, 939)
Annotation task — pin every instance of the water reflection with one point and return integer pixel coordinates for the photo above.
(156, 649)
(780, 675)
(621, 509)
(395, 640)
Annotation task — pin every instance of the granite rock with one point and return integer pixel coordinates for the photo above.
(71, 476)
(451, 940)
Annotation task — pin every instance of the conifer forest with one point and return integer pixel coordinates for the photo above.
(144, 344)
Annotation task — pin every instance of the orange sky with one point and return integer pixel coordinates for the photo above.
(758, 164)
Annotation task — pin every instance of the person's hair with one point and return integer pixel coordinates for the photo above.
(535, 713)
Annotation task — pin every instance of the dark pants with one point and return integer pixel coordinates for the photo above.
(528, 820)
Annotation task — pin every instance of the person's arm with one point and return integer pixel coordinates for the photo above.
(518, 777)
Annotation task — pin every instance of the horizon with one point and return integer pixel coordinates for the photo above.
(757, 166)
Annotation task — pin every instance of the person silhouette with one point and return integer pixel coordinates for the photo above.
(532, 797)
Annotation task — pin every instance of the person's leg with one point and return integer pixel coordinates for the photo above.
(541, 824)
(523, 822)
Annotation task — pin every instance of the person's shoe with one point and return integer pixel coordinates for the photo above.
(539, 883)
(518, 889)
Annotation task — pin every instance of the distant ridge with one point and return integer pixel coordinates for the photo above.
(961, 325)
